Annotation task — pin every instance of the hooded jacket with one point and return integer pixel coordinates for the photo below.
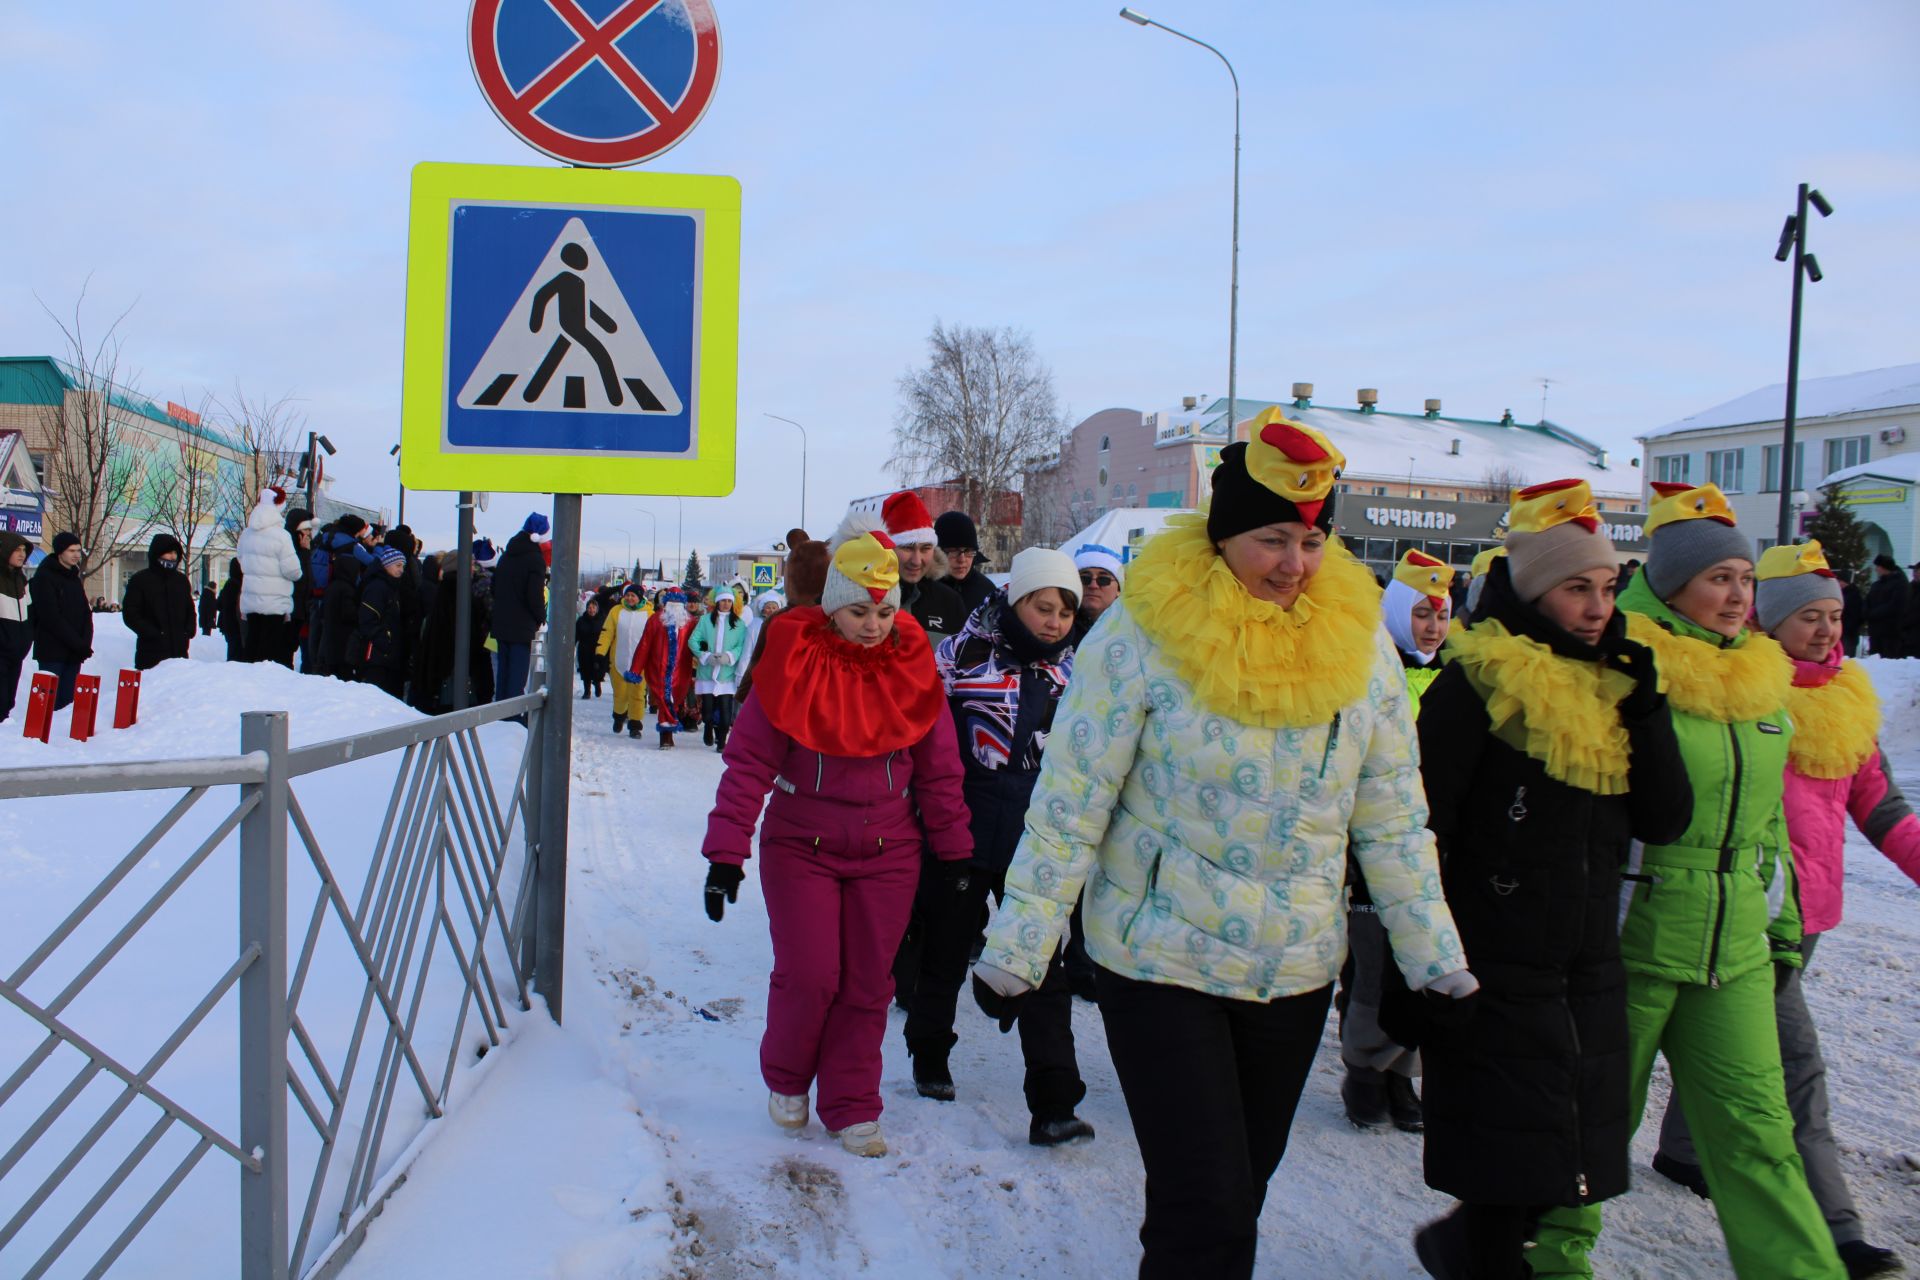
(519, 591)
(265, 550)
(1003, 686)
(1715, 902)
(16, 624)
(62, 622)
(1527, 1104)
(157, 607)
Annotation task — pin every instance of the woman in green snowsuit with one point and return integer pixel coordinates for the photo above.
(1705, 919)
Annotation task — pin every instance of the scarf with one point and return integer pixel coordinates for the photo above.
(1727, 686)
(842, 699)
(1557, 710)
(1248, 658)
(1836, 718)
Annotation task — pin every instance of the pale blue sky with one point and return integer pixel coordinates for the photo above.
(1439, 199)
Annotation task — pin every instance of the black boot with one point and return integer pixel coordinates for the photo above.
(1057, 1132)
(1403, 1104)
(720, 740)
(932, 1077)
(1441, 1247)
(1680, 1171)
(619, 722)
(1365, 1094)
(635, 728)
(1862, 1259)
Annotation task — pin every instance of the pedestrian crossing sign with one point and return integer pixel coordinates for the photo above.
(571, 331)
(762, 576)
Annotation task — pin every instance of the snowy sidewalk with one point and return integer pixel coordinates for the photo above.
(634, 1142)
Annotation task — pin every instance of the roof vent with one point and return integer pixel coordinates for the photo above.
(1369, 399)
(1433, 411)
(1189, 402)
(1506, 418)
(1454, 448)
(1302, 395)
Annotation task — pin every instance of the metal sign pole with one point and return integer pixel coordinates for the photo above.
(563, 598)
(463, 606)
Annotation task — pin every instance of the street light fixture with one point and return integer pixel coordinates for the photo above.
(400, 515)
(1233, 297)
(803, 464)
(1793, 240)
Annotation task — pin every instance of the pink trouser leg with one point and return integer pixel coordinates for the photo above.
(836, 923)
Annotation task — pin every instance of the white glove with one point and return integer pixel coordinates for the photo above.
(1459, 984)
(706, 659)
(1004, 983)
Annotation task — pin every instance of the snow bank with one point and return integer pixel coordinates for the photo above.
(55, 850)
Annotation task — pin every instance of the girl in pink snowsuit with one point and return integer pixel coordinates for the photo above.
(847, 727)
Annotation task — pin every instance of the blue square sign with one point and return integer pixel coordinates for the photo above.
(572, 329)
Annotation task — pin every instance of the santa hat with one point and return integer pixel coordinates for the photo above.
(272, 496)
(908, 522)
(863, 567)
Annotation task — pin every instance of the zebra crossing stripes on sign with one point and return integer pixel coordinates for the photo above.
(570, 342)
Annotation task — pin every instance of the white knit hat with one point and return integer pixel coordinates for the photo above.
(862, 567)
(1038, 568)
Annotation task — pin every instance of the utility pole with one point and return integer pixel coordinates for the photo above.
(1793, 240)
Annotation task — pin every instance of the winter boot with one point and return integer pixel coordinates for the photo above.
(720, 738)
(1403, 1104)
(619, 722)
(932, 1078)
(706, 733)
(1862, 1259)
(1441, 1247)
(861, 1139)
(1680, 1171)
(666, 739)
(1365, 1095)
(635, 728)
(1056, 1133)
(788, 1110)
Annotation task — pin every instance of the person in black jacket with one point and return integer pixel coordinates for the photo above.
(1526, 1101)
(62, 622)
(959, 540)
(157, 606)
(519, 607)
(339, 616)
(16, 621)
(1853, 615)
(299, 629)
(227, 615)
(1886, 608)
(209, 608)
(586, 642)
(385, 624)
(1910, 616)
(1004, 674)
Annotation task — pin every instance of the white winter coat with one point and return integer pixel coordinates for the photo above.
(269, 565)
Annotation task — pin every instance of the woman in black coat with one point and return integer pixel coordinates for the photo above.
(586, 644)
(1526, 1100)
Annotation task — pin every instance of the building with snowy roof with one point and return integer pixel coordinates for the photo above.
(1428, 481)
(1858, 430)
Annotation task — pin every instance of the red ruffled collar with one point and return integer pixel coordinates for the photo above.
(844, 699)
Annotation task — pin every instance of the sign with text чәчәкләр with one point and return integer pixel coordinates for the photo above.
(571, 331)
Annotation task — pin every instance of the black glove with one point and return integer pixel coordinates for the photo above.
(1450, 1012)
(1002, 1009)
(954, 876)
(723, 886)
(1631, 658)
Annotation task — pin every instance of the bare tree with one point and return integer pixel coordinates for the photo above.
(265, 432)
(93, 467)
(976, 414)
(184, 492)
(1499, 481)
(1046, 510)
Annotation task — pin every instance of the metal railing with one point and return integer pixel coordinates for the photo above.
(344, 1018)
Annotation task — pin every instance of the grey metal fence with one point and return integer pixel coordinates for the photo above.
(433, 927)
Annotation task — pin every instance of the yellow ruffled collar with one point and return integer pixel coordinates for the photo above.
(1248, 658)
(1836, 725)
(1558, 710)
(1726, 686)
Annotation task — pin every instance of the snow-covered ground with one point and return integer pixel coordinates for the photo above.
(634, 1142)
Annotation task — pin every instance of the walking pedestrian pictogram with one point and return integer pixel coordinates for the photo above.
(570, 342)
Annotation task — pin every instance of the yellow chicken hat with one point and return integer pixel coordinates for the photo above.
(1430, 577)
(1789, 561)
(1791, 578)
(1540, 507)
(1674, 502)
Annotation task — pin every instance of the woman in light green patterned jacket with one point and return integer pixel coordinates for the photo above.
(1233, 726)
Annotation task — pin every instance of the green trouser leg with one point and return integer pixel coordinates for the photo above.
(1724, 1053)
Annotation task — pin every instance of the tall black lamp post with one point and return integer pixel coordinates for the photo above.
(1793, 240)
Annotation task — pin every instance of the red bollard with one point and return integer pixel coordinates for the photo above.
(40, 706)
(86, 705)
(126, 708)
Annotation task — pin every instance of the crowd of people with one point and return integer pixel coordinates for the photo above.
(1594, 816)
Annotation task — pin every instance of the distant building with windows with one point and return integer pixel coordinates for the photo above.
(1422, 481)
(1858, 430)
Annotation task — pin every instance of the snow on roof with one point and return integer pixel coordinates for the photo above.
(1901, 467)
(1117, 529)
(1890, 388)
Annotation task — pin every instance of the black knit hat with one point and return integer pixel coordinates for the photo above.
(954, 530)
(64, 539)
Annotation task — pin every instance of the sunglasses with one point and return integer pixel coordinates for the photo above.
(1097, 579)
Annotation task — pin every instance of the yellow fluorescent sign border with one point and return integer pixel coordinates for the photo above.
(424, 385)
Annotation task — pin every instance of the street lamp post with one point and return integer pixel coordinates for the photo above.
(803, 464)
(656, 536)
(1233, 297)
(1793, 240)
(400, 511)
(629, 568)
